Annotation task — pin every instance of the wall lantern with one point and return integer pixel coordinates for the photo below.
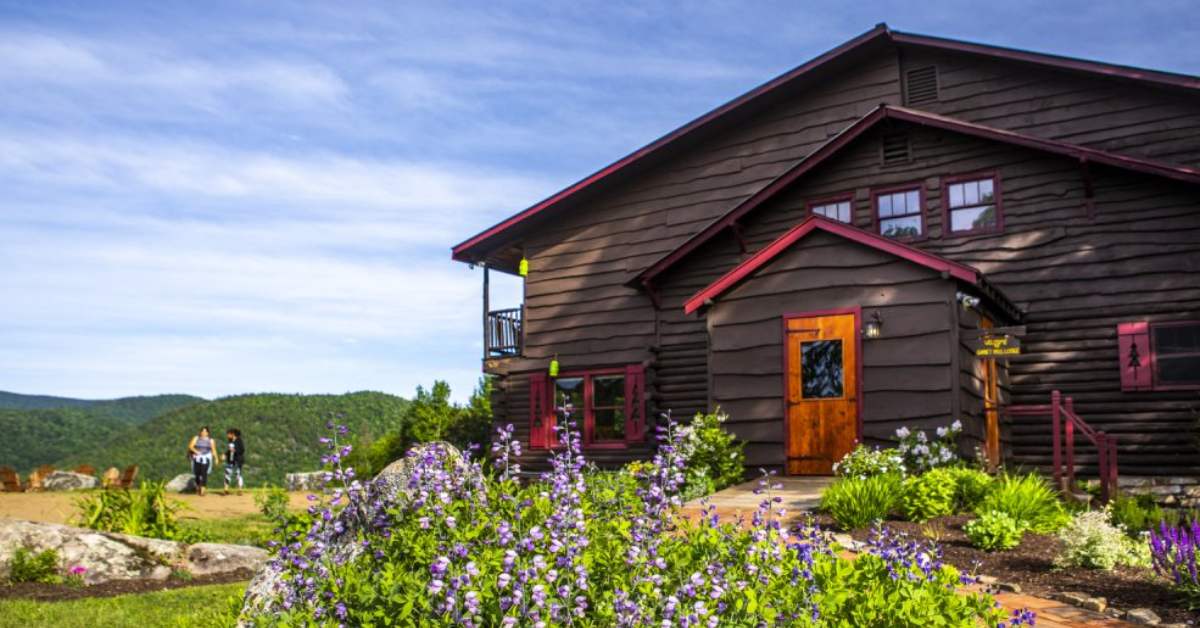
(873, 327)
(523, 267)
(554, 367)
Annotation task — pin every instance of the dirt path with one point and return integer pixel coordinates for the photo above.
(60, 507)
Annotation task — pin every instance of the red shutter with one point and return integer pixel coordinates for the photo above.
(540, 412)
(1133, 345)
(635, 403)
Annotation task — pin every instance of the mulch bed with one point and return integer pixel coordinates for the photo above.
(59, 592)
(1031, 565)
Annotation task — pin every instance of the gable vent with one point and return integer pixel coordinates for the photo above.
(895, 148)
(921, 85)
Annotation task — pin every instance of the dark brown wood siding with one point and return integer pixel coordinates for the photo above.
(906, 374)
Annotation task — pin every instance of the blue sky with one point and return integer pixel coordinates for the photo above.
(221, 197)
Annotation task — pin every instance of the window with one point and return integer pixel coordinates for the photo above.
(1159, 356)
(821, 369)
(972, 204)
(840, 208)
(1176, 354)
(606, 405)
(898, 212)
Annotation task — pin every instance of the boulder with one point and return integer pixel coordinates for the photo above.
(307, 481)
(107, 556)
(391, 485)
(182, 483)
(68, 481)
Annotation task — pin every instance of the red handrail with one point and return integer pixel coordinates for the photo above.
(1063, 423)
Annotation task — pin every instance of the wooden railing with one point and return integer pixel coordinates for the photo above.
(1064, 422)
(502, 333)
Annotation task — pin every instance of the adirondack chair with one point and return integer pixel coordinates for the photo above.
(128, 476)
(35, 480)
(10, 482)
(85, 469)
(110, 478)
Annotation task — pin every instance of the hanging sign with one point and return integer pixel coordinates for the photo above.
(998, 346)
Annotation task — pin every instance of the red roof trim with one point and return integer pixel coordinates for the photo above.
(463, 250)
(807, 226)
(460, 251)
(863, 124)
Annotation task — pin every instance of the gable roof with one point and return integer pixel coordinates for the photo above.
(478, 246)
(949, 268)
(914, 116)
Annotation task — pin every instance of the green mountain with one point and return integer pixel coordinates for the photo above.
(42, 430)
(280, 433)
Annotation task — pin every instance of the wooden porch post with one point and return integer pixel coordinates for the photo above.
(1056, 439)
(486, 306)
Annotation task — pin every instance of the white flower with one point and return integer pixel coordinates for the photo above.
(956, 425)
(941, 432)
(921, 437)
(903, 432)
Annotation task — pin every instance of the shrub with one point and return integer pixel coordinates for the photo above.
(712, 457)
(1175, 552)
(865, 462)
(856, 503)
(145, 511)
(1029, 500)
(580, 548)
(922, 453)
(26, 566)
(1090, 540)
(994, 531)
(931, 494)
(971, 487)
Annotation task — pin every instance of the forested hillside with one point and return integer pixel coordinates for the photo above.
(42, 430)
(280, 432)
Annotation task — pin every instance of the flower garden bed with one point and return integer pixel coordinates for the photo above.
(45, 592)
(1030, 565)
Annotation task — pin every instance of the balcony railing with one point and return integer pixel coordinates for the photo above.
(502, 333)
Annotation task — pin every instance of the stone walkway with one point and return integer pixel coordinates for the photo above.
(803, 494)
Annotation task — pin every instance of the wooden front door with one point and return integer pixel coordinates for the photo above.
(822, 391)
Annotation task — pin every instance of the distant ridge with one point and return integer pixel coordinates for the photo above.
(134, 409)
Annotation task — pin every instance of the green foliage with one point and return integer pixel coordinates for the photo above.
(212, 606)
(714, 457)
(994, 531)
(856, 503)
(1139, 513)
(280, 430)
(253, 530)
(971, 487)
(1090, 540)
(862, 592)
(931, 494)
(43, 430)
(431, 416)
(273, 503)
(145, 511)
(1029, 500)
(27, 566)
(866, 461)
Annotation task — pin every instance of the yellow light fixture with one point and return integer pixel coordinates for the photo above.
(554, 367)
(523, 267)
(874, 327)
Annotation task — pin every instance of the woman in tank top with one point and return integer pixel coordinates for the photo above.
(202, 449)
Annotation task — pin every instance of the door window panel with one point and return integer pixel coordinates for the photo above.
(821, 369)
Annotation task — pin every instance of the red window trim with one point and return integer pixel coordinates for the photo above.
(588, 424)
(998, 201)
(829, 200)
(876, 221)
(1154, 356)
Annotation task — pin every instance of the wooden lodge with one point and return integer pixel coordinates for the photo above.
(827, 256)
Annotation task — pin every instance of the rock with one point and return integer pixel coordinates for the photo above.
(1097, 604)
(1125, 481)
(68, 481)
(1070, 597)
(1142, 616)
(1011, 587)
(392, 483)
(308, 481)
(989, 580)
(208, 558)
(182, 483)
(108, 556)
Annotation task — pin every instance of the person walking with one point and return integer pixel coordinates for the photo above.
(202, 448)
(235, 457)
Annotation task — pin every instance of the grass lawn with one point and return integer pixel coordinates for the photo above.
(205, 606)
(242, 530)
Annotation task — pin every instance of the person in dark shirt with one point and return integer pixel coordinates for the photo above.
(235, 457)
